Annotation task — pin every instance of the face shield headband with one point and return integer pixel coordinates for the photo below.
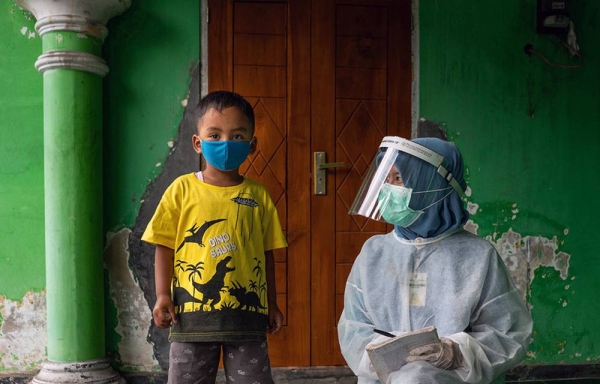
(366, 203)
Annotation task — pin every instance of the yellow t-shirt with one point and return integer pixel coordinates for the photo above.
(219, 236)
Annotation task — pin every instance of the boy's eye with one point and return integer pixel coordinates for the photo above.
(213, 136)
(238, 137)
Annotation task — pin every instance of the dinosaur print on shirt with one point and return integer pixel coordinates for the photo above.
(219, 236)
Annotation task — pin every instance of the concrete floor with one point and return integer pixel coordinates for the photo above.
(340, 375)
(334, 375)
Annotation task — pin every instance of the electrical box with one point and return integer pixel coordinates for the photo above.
(552, 17)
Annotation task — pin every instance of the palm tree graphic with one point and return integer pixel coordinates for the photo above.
(253, 285)
(194, 270)
(180, 264)
(262, 286)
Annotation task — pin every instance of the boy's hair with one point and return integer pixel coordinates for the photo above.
(220, 100)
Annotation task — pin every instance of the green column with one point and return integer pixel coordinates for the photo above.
(73, 204)
(72, 33)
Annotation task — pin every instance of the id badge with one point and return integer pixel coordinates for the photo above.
(418, 289)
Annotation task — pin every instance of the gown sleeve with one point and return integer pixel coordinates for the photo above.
(499, 331)
(355, 329)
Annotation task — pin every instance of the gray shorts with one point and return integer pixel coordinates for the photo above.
(245, 362)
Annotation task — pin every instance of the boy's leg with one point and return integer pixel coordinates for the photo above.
(194, 363)
(247, 362)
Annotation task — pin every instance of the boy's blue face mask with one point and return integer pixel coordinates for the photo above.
(225, 155)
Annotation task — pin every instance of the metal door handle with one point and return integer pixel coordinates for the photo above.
(320, 170)
(331, 165)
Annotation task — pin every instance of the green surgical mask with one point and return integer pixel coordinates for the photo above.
(393, 200)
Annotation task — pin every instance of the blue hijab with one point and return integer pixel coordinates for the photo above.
(446, 215)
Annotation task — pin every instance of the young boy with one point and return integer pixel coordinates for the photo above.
(214, 233)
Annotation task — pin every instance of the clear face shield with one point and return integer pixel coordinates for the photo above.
(402, 182)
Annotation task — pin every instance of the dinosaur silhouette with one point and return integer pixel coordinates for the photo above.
(211, 290)
(181, 296)
(197, 233)
(247, 299)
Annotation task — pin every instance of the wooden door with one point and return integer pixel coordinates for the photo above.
(322, 75)
(361, 76)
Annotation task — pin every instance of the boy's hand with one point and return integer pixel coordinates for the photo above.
(275, 319)
(164, 312)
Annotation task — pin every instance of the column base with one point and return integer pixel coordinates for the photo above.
(85, 372)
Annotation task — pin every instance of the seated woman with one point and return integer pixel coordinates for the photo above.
(429, 271)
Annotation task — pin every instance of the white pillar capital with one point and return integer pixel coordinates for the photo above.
(83, 16)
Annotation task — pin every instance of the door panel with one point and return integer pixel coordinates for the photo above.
(359, 95)
(322, 75)
(249, 53)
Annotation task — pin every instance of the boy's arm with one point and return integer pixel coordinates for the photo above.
(164, 310)
(275, 315)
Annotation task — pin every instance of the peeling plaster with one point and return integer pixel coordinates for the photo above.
(26, 14)
(429, 128)
(471, 226)
(472, 208)
(134, 315)
(23, 335)
(523, 255)
(468, 191)
(26, 31)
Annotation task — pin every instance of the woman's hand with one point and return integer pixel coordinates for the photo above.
(444, 355)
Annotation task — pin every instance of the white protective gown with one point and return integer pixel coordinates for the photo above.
(459, 285)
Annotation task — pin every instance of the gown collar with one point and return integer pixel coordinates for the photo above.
(420, 241)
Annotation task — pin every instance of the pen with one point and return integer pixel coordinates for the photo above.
(384, 333)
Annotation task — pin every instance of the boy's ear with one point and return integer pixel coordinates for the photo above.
(197, 143)
(253, 144)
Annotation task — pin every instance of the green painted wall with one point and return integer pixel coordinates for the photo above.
(529, 134)
(21, 156)
(151, 50)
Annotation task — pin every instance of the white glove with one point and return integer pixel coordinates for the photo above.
(444, 355)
